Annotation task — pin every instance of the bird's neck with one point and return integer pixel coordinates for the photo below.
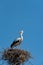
(21, 36)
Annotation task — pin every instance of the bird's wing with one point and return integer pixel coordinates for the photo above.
(14, 43)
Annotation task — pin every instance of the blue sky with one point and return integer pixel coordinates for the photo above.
(16, 15)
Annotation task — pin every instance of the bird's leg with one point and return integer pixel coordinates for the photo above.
(18, 47)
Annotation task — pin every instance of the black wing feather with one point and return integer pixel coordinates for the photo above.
(14, 43)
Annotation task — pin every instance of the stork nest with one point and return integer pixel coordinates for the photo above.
(16, 56)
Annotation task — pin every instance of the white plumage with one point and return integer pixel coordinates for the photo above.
(18, 40)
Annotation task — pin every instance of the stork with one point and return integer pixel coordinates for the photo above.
(18, 40)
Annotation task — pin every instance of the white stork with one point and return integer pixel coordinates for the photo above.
(18, 40)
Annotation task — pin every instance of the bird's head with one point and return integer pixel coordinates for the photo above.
(21, 32)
